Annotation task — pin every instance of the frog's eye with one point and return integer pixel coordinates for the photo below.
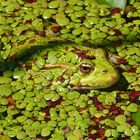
(85, 68)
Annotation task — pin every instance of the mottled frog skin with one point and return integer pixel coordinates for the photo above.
(83, 67)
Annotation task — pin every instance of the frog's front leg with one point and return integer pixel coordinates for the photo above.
(118, 61)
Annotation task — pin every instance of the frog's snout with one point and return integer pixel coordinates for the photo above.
(103, 79)
(114, 78)
(109, 78)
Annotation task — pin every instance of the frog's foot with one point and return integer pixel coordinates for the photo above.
(118, 61)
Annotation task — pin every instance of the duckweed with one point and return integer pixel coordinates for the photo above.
(41, 103)
(49, 96)
(73, 95)
(18, 96)
(115, 133)
(45, 132)
(71, 137)
(40, 62)
(128, 132)
(37, 24)
(4, 80)
(21, 135)
(133, 107)
(53, 4)
(20, 104)
(17, 74)
(5, 90)
(120, 119)
(62, 21)
(21, 119)
(135, 137)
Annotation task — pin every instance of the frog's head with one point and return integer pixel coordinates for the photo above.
(95, 73)
(93, 70)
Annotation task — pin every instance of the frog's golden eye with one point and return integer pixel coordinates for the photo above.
(85, 68)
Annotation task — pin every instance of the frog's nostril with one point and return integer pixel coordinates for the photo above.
(105, 71)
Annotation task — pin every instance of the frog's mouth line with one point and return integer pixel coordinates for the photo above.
(84, 87)
(87, 87)
(115, 79)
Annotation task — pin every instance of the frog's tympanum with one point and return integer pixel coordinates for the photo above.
(75, 66)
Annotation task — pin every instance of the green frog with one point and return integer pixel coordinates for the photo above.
(50, 69)
(82, 66)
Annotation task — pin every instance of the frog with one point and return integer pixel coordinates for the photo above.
(58, 64)
(82, 66)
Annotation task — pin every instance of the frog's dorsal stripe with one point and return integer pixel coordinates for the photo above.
(37, 42)
(24, 47)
